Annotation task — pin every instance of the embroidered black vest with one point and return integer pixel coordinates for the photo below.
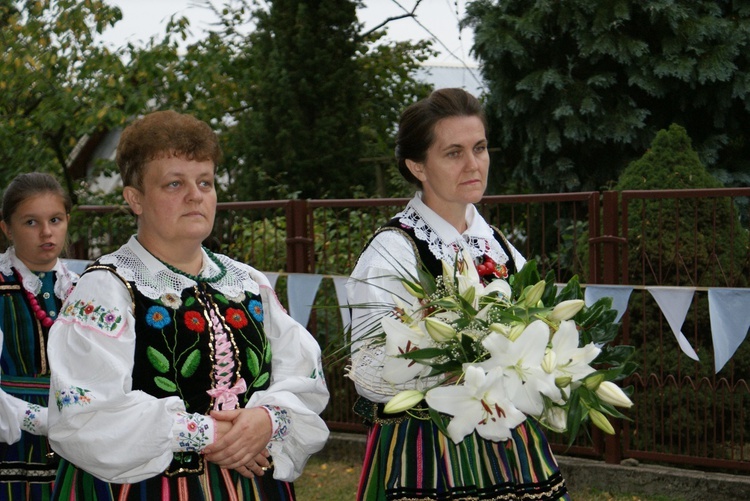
(175, 349)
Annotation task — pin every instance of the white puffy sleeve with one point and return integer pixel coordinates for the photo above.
(297, 393)
(375, 282)
(96, 420)
(17, 415)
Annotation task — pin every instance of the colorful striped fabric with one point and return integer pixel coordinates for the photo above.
(411, 460)
(215, 484)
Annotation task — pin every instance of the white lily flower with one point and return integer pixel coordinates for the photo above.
(400, 339)
(572, 361)
(500, 286)
(479, 404)
(555, 418)
(521, 362)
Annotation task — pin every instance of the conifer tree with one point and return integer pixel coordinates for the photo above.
(578, 89)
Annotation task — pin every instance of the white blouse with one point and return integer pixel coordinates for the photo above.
(103, 426)
(375, 283)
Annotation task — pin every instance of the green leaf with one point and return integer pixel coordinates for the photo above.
(267, 353)
(438, 420)
(252, 361)
(261, 380)
(165, 384)
(157, 360)
(191, 363)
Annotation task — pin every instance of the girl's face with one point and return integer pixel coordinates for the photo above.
(38, 229)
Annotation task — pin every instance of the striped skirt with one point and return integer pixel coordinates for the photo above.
(411, 459)
(215, 484)
(27, 467)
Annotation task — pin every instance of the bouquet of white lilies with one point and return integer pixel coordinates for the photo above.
(488, 356)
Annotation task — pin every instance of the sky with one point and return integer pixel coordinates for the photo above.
(435, 19)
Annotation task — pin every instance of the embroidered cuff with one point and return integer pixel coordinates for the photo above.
(34, 419)
(192, 432)
(280, 422)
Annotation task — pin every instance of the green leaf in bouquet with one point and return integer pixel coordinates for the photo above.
(427, 281)
(525, 277)
(550, 289)
(467, 306)
(438, 420)
(611, 410)
(576, 414)
(423, 354)
(572, 290)
(615, 355)
(444, 368)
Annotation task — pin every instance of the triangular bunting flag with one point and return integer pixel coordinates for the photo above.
(272, 277)
(675, 303)
(340, 284)
(620, 295)
(730, 319)
(301, 291)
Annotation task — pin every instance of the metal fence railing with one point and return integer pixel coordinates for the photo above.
(686, 239)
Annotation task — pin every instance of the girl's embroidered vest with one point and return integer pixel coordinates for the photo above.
(25, 338)
(176, 344)
(428, 259)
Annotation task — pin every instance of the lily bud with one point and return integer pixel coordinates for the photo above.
(563, 381)
(593, 381)
(601, 421)
(439, 330)
(448, 269)
(469, 294)
(549, 362)
(403, 401)
(534, 294)
(566, 310)
(414, 289)
(515, 331)
(612, 394)
(503, 329)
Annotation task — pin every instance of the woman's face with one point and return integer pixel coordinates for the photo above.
(177, 205)
(455, 169)
(38, 229)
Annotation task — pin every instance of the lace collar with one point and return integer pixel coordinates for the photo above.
(444, 240)
(64, 282)
(153, 279)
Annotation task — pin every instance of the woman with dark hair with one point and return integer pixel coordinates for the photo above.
(176, 373)
(33, 284)
(441, 148)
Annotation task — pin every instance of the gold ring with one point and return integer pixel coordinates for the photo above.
(264, 468)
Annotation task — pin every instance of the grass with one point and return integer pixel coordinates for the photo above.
(336, 480)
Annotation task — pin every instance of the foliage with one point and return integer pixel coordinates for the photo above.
(578, 89)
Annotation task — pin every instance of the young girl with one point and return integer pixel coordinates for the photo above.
(33, 284)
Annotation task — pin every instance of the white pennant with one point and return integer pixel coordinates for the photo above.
(340, 284)
(620, 295)
(730, 319)
(674, 303)
(272, 277)
(301, 289)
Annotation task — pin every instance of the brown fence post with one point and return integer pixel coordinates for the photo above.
(610, 275)
(298, 239)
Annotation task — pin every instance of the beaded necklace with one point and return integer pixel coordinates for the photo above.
(39, 312)
(196, 278)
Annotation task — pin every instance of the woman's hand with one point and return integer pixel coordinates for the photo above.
(242, 445)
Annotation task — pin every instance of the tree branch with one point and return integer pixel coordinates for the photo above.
(406, 14)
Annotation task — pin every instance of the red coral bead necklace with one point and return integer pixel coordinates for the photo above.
(36, 308)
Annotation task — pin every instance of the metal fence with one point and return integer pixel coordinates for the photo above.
(684, 413)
